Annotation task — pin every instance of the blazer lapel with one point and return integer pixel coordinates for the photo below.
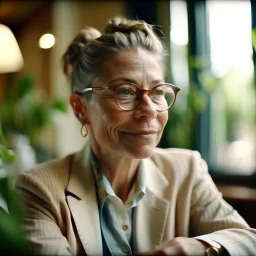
(151, 213)
(82, 201)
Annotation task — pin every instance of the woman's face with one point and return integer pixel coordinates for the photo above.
(134, 133)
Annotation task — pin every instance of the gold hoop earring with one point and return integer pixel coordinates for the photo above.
(84, 131)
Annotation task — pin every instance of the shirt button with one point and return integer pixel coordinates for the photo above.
(125, 250)
(128, 204)
(125, 227)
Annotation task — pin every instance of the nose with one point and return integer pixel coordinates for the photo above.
(146, 108)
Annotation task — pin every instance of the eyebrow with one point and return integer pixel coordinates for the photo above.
(128, 80)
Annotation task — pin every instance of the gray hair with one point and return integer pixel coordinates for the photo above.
(82, 61)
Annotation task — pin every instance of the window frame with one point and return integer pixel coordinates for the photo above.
(199, 46)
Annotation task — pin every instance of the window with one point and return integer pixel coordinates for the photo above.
(179, 41)
(215, 111)
(233, 108)
(177, 132)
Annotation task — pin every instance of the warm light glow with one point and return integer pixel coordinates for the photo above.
(46, 41)
(10, 56)
(179, 37)
(179, 30)
(231, 43)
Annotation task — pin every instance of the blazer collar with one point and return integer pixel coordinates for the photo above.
(83, 203)
(81, 173)
(82, 180)
(155, 178)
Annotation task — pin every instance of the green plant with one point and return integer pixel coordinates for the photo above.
(180, 130)
(12, 235)
(26, 110)
(254, 38)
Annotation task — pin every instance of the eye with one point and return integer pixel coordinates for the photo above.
(125, 91)
(158, 92)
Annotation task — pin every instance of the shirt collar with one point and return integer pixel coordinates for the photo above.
(105, 190)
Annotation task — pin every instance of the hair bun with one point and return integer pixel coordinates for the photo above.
(76, 47)
(120, 24)
(87, 34)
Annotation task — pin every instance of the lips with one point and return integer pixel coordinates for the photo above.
(140, 132)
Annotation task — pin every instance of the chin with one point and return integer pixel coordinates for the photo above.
(142, 152)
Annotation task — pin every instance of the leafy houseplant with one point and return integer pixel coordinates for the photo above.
(12, 236)
(24, 110)
(180, 130)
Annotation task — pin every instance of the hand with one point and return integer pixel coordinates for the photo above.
(179, 246)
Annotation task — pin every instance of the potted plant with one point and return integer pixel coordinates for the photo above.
(12, 236)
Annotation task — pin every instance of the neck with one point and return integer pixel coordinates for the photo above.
(120, 172)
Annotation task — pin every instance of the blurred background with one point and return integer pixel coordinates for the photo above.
(212, 59)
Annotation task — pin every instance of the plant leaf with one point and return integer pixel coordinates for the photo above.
(25, 86)
(254, 38)
(59, 105)
(2, 138)
(6, 154)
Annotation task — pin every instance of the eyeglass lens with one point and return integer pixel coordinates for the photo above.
(129, 96)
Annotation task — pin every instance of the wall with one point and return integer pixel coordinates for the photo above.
(97, 13)
(36, 60)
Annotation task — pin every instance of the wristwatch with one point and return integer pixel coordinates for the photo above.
(212, 251)
(214, 248)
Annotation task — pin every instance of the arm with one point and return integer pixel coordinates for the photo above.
(213, 218)
(42, 219)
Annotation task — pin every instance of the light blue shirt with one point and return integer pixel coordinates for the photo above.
(115, 216)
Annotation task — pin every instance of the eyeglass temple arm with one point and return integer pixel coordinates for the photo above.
(92, 89)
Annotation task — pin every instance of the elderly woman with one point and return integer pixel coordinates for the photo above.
(121, 195)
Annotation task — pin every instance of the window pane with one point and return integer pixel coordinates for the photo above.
(173, 135)
(179, 41)
(233, 139)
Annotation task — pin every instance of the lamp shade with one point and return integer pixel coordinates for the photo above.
(10, 56)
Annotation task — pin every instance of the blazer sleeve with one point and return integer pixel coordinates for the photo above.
(42, 220)
(213, 218)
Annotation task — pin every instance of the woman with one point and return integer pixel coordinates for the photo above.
(122, 195)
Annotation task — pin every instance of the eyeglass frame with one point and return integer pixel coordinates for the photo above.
(175, 88)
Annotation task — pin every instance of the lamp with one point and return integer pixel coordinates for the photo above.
(10, 56)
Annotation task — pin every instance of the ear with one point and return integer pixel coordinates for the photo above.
(79, 107)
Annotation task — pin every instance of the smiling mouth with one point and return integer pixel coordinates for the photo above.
(141, 133)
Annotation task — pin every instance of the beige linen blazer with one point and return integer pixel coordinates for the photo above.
(181, 200)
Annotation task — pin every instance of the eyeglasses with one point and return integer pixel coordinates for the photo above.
(129, 95)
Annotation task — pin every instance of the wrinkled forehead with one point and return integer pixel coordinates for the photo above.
(137, 65)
